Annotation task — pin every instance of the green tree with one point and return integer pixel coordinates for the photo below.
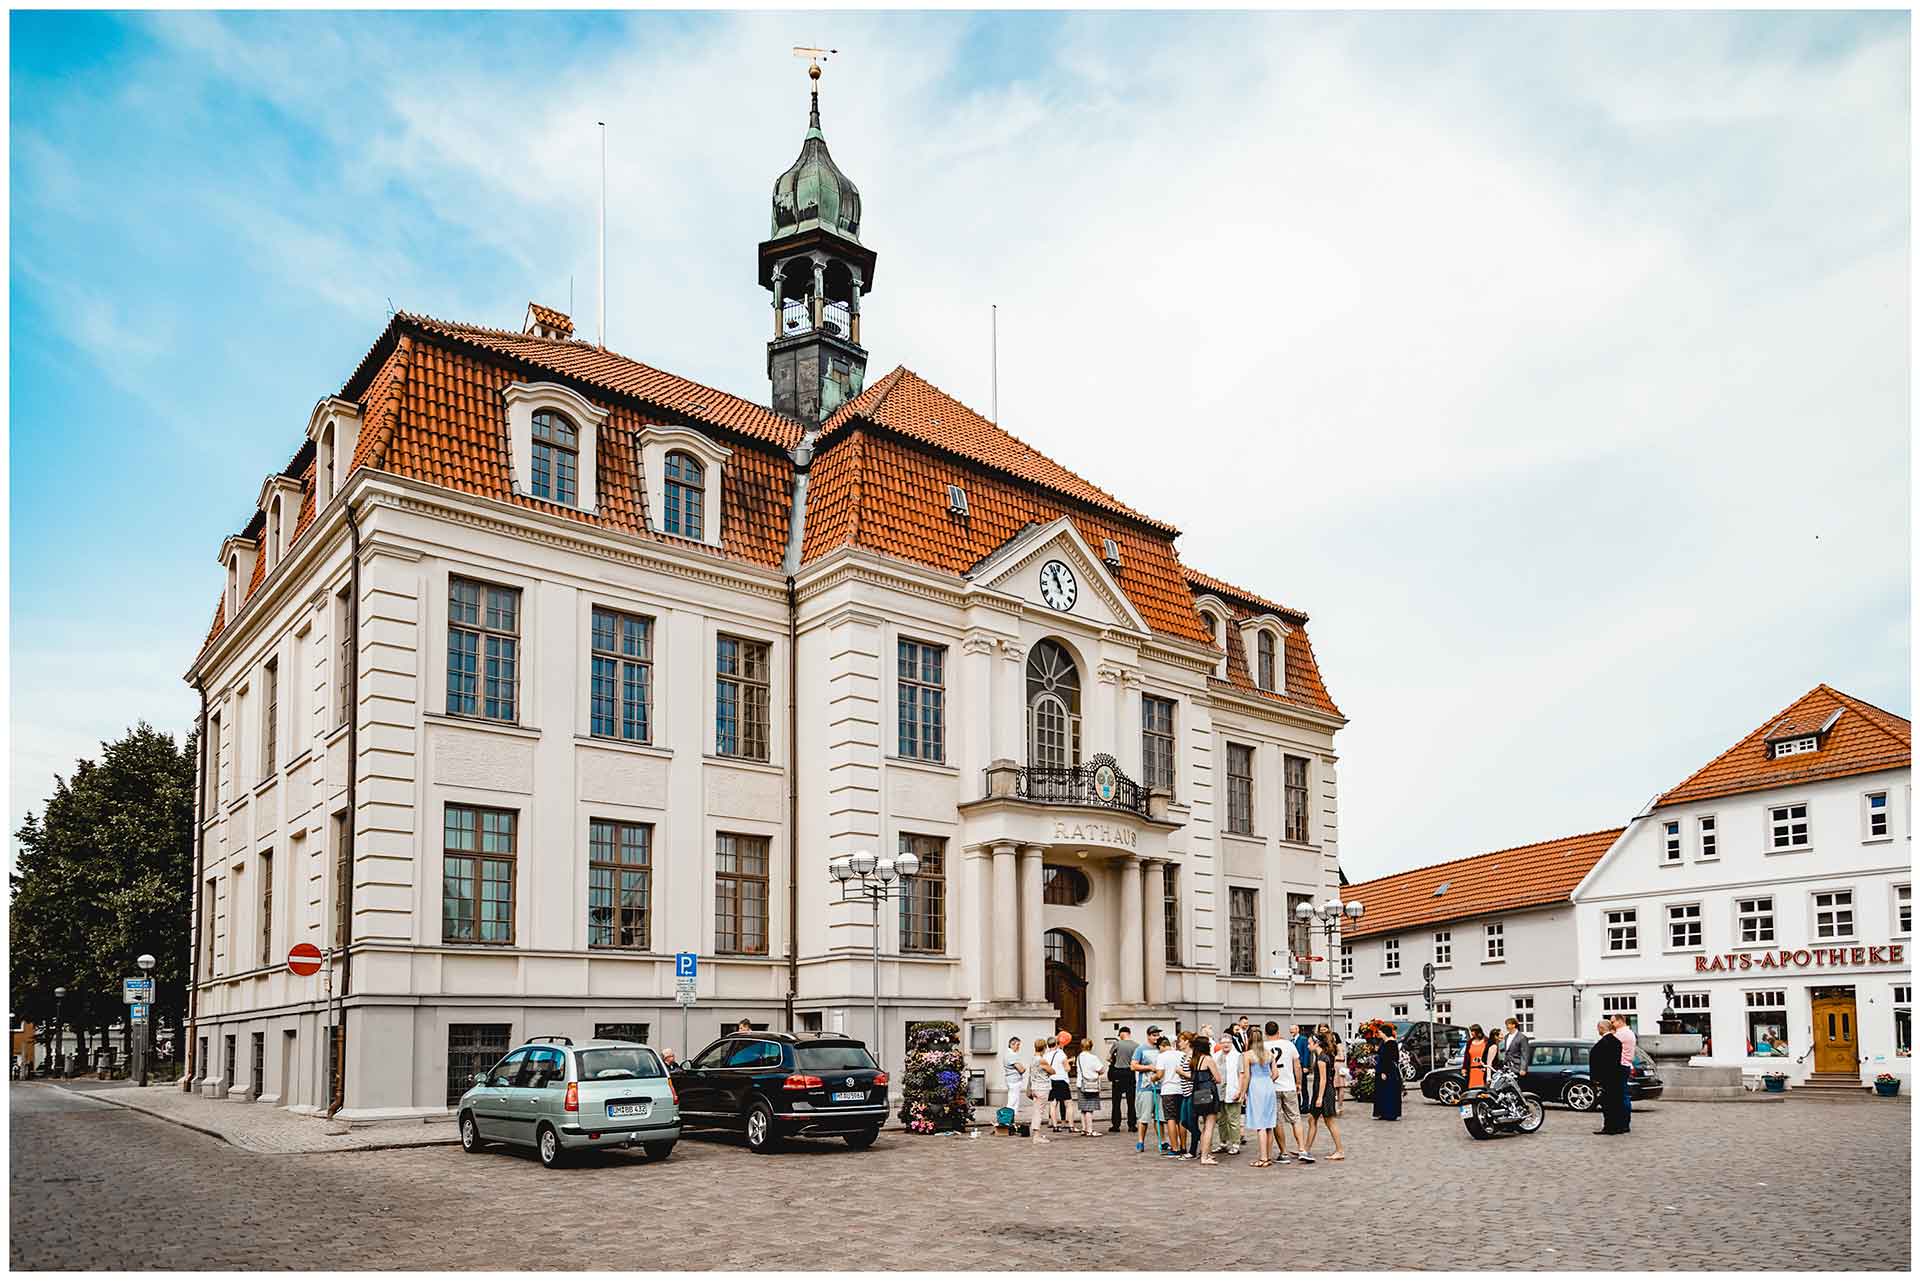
(104, 875)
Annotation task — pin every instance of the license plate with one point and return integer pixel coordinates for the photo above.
(1466, 1109)
(629, 1109)
(850, 1096)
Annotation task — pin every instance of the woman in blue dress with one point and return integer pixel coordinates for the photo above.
(1386, 1081)
(1262, 1108)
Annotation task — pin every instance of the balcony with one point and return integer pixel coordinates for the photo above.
(1096, 784)
(796, 317)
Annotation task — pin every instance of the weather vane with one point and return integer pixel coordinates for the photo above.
(814, 58)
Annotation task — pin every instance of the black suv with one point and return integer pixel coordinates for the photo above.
(1425, 1046)
(1557, 1073)
(769, 1086)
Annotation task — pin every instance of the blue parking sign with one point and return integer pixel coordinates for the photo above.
(686, 965)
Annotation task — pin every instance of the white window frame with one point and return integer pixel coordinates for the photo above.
(1851, 907)
(1867, 834)
(1390, 955)
(655, 443)
(1627, 1003)
(1523, 1013)
(1769, 914)
(1671, 853)
(1493, 939)
(1781, 820)
(1443, 1009)
(1629, 919)
(1894, 900)
(1706, 835)
(1443, 960)
(1399, 1010)
(1902, 1006)
(1796, 746)
(1346, 960)
(1694, 914)
(523, 401)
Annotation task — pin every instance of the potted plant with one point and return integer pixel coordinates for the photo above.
(1776, 1082)
(1886, 1085)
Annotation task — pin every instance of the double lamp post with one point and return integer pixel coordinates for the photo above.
(871, 877)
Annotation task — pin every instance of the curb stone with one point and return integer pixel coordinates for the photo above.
(132, 1106)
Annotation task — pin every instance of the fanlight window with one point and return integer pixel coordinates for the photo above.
(686, 496)
(1053, 708)
(1064, 949)
(1065, 886)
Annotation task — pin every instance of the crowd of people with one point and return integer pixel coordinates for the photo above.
(1193, 1096)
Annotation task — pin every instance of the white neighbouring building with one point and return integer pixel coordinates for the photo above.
(1774, 890)
(537, 665)
(1496, 927)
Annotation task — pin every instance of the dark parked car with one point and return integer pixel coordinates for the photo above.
(770, 1086)
(1557, 1074)
(1423, 1046)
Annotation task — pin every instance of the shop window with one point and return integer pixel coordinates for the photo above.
(1625, 1004)
(1767, 1024)
(1903, 1020)
(1695, 1012)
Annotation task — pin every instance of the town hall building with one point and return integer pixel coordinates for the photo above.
(537, 665)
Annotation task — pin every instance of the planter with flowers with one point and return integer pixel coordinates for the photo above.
(933, 1097)
(1776, 1082)
(1886, 1085)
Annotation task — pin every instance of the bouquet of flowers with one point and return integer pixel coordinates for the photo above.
(933, 1095)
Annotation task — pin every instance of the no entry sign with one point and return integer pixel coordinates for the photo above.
(304, 959)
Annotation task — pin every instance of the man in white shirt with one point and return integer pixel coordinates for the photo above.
(1287, 1099)
(1016, 1074)
(1173, 1087)
(1228, 1059)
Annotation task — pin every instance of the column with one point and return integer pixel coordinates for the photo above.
(779, 282)
(1006, 925)
(1133, 974)
(819, 298)
(1033, 970)
(1154, 931)
(853, 311)
(1010, 704)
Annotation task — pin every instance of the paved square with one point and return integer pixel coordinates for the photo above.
(1796, 1184)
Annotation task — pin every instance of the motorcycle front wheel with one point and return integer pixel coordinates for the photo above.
(1536, 1115)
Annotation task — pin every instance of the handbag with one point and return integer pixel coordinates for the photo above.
(1205, 1093)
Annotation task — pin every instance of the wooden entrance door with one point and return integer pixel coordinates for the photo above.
(1835, 1030)
(1067, 993)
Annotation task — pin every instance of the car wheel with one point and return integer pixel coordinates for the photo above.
(1450, 1092)
(469, 1133)
(1581, 1096)
(659, 1150)
(760, 1133)
(552, 1155)
(861, 1140)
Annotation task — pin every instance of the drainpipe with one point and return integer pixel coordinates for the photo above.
(199, 879)
(802, 456)
(336, 1094)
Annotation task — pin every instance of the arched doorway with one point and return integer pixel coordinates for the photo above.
(1053, 710)
(1067, 981)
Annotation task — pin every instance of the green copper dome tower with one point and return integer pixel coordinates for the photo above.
(817, 270)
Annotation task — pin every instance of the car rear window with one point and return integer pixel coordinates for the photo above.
(621, 1064)
(833, 1058)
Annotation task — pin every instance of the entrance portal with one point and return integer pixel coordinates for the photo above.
(1834, 1030)
(1067, 982)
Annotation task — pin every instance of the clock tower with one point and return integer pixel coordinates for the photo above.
(817, 270)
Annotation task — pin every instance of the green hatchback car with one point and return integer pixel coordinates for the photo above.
(557, 1097)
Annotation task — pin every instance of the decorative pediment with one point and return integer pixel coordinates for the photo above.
(1051, 568)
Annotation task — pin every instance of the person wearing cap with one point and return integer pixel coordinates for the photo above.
(1146, 1088)
(1120, 1073)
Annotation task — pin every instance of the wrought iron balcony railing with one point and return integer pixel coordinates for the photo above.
(796, 317)
(1098, 783)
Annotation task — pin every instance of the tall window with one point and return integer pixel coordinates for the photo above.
(342, 880)
(1156, 742)
(1346, 960)
(483, 649)
(213, 766)
(619, 884)
(1443, 947)
(1239, 789)
(1170, 914)
(742, 698)
(1695, 1011)
(1496, 941)
(266, 907)
(1903, 1020)
(1623, 930)
(1709, 838)
(1243, 924)
(209, 919)
(1625, 1004)
(621, 693)
(1683, 926)
(342, 655)
(1390, 956)
(1903, 909)
(923, 701)
(1833, 914)
(1300, 938)
(1053, 708)
(269, 716)
(1767, 1024)
(1523, 1013)
(556, 459)
(740, 895)
(686, 496)
(1670, 841)
(477, 883)
(1788, 826)
(1754, 918)
(1265, 649)
(923, 896)
(1296, 787)
(1877, 821)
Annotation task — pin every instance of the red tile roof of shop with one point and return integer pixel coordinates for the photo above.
(1502, 881)
(1863, 740)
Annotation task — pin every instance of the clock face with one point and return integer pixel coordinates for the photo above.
(1057, 585)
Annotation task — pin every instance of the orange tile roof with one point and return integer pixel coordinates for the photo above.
(908, 404)
(1304, 685)
(555, 320)
(1864, 739)
(1207, 583)
(1501, 881)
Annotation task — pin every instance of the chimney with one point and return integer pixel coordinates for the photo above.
(545, 322)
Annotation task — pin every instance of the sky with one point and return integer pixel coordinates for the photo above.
(1557, 365)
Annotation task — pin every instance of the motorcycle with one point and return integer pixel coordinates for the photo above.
(1501, 1107)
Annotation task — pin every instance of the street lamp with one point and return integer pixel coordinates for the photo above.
(865, 875)
(146, 1031)
(1328, 916)
(59, 1057)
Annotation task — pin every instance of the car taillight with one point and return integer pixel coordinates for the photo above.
(804, 1083)
(573, 1096)
(673, 1090)
(880, 1079)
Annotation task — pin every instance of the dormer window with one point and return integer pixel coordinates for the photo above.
(324, 455)
(1213, 625)
(684, 512)
(273, 534)
(1110, 552)
(556, 459)
(1795, 746)
(233, 586)
(957, 501)
(1265, 650)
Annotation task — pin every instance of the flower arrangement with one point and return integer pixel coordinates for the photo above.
(934, 1091)
(1378, 1030)
(1885, 1078)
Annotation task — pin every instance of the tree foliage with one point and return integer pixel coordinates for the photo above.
(105, 874)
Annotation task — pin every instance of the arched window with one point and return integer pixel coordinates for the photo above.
(1053, 708)
(1213, 625)
(233, 586)
(1064, 949)
(1265, 675)
(686, 497)
(273, 535)
(556, 459)
(326, 467)
(1064, 886)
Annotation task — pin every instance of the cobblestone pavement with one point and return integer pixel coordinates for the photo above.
(263, 1129)
(1802, 1184)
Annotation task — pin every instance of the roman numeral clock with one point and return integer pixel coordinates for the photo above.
(1058, 587)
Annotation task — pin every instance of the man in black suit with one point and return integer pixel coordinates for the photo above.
(1603, 1069)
